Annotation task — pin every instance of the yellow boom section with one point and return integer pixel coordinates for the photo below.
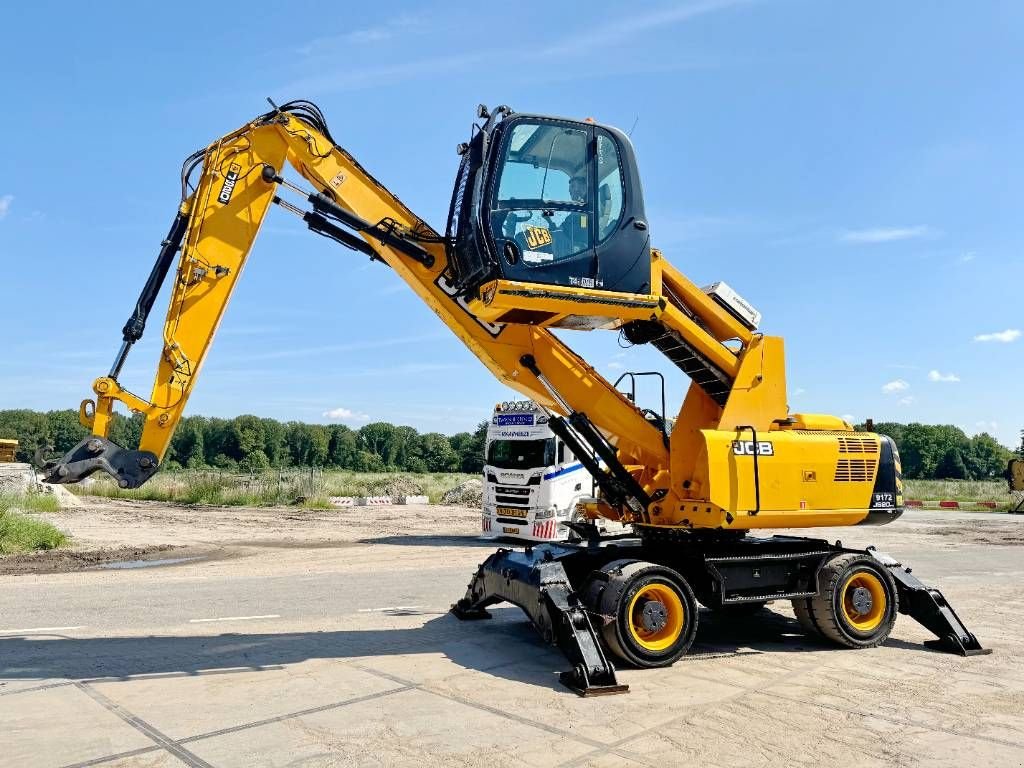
(224, 216)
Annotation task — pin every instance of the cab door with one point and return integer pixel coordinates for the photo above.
(542, 203)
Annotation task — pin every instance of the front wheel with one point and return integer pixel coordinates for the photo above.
(856, 604)
(652, 609)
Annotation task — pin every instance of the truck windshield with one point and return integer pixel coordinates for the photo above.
(521, 454)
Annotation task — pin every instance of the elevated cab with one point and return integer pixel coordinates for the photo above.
(547, 224)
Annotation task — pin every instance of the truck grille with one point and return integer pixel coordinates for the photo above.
(512, 496)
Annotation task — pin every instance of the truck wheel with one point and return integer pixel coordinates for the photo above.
(857, 602)
(652, 612)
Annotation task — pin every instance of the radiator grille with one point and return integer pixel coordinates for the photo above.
(858, 445)
(855, 470)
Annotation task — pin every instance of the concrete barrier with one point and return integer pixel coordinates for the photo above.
(370, 501)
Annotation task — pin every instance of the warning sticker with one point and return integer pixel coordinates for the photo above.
(536, 257)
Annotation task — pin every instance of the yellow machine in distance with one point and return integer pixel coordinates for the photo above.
(547, 229)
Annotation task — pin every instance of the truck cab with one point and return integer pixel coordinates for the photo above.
(532, 481)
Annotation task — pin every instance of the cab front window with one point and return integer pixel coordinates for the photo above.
(521, 454)
(543, 201)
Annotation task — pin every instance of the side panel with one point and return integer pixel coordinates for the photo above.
(805, 478)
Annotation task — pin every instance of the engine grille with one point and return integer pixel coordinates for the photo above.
(858, 445)
(855, 470)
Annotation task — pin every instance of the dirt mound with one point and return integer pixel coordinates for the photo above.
(468, 494)
(17, 478)
(397, 486)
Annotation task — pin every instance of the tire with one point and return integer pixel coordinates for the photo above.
(802, 609)
(575, 517)
(856, 604)
(652, 613)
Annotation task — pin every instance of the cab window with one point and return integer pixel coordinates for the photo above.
(609, 187)
(543, 200)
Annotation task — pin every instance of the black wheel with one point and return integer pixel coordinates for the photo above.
(575, 517)
(856, 604)
(802, 609)
(652, 609)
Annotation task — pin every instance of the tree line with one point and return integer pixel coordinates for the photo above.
(251, 443)
(945, 452)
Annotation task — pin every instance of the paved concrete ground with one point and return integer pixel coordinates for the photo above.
(343, 654)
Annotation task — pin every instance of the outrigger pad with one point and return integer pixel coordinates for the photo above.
(536, 581)
(929, 608)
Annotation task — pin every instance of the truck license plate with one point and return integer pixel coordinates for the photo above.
(507, 529)
(511, 512)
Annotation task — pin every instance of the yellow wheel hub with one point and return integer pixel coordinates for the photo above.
(656, 617)
(864, 601)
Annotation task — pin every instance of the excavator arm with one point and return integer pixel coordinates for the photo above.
(242, 175)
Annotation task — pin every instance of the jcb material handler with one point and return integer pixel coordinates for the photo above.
(547, 230)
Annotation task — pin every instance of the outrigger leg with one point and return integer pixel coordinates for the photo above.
(540, 586)
(928, 607)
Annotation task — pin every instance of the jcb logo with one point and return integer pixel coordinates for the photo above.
(746, 448)
(230, 180)
(537, 237)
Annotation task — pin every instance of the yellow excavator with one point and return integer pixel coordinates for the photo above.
(547, 230)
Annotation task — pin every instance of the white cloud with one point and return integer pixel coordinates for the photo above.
(968, 257)
(908, 400)
(885, 234)
(629, 26)
(345, 414)
(598, 38)
(798, 391)
(987, 426)
(948, 377)
(896, 385)
(1010, 334)
(400, 25)
(616, 366)
(5, 205)
(847, 417)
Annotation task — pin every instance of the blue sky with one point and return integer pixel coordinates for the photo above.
(854, 170)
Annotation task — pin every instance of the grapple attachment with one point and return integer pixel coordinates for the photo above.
(129, 468)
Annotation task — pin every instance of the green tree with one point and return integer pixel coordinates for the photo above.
(126, 431)
(986, 458)
(469, 446)
(29, 428)
(187, 445)
(65, 430)
(379, 439)
(438, 454)
(249, 438)
(951, 466)
(342, 447)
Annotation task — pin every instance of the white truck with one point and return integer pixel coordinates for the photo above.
(532, 481)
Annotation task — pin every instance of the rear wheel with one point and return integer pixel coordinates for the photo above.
(856, 604)
(652, 610)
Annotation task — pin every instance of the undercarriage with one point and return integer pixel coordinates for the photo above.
(637, 598)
